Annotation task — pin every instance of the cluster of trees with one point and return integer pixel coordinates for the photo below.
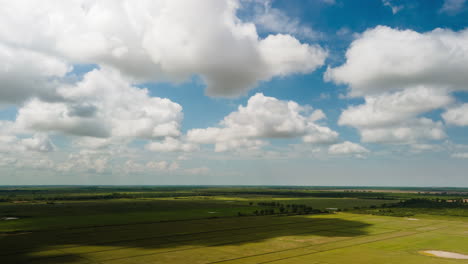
(410, 207)
(81, 197)
(431, 203)
(288, 209)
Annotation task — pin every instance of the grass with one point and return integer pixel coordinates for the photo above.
(206, 229)
(69, 214)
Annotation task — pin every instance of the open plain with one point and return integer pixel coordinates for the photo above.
(223, 229)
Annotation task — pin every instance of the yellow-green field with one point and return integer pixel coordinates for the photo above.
(331, 238)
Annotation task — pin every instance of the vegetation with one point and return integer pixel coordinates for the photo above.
(229, 224)
(455, 207)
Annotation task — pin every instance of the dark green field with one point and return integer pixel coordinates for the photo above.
(230, 225)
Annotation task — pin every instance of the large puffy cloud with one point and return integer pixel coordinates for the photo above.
(386, 59)
(393, 108)
(457, 115)
(25, 73)
(402, 75)
(157, 40)
(14, 140)
(394, 117)
(103, 104)
(264, 117)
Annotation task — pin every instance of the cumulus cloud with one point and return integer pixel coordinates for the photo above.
(457, 115)
(26, 73)
(347, 148)
(394, 117)
(103, 104)
(402, 75)
(386, 59)
(264, 117)
(38, 142)
(14, 140)
(390, 109)
(165, 40)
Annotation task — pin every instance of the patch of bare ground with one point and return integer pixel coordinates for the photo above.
(444, 254)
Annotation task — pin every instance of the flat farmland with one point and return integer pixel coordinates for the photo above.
(127, 225)
(331, 238)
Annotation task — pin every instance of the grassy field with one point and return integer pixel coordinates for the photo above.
(208, 229)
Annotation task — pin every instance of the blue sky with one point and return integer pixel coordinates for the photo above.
(318, 92)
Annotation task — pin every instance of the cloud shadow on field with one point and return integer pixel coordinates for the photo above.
(111, 242)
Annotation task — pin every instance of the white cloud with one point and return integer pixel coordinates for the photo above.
(457, 115)
(131, 166)
(347, 148)
(17, 142)
(150, 41)
(386, 59)
(162, 165)
(271, 19)
(103, 104)
(26, 73)
(395, 8)
(94, 143)
(410, 131)
(36, 162)
(389, 109)
(452, 6)
(402, 75)
(171, 145)
(264, 117)
(418, 148)
(38, 142)
(394, 117)
(84, 162)
(8, 139)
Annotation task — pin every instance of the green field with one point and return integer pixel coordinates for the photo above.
(223, 229)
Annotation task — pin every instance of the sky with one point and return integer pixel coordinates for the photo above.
(234, 92)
